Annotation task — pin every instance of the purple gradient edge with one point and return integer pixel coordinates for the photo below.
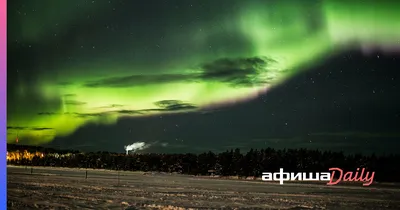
(3, 107)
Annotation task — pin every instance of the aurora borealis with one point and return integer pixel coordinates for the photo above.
(77, 63)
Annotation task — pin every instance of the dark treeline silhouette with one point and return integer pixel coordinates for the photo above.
(229, 163)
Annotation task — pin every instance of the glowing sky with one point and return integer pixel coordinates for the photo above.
(76, 62)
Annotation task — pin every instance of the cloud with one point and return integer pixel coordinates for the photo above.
(138, 80)
(28, 128)
(112, 106)
(47, 113)
(170, 106)
(128, 112)
(69, 95)
(164, 106)
(174, 105)
(72, 113)
(237, 72)
(101, 114)
(75, 103)
(86, 115)
(41, 129)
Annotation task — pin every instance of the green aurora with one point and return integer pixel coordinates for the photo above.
(224, 58)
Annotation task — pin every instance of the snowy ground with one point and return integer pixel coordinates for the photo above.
(60, 188)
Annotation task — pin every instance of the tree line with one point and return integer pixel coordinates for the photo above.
(229, 163)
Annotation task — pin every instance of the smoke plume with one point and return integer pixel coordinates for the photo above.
(136, 147)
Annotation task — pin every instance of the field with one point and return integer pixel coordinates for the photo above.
(61, 188)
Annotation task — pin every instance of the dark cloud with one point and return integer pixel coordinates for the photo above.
(112, 106)
(85, 115)
(164, 106)
(69, 95)
(102, 114)
(75, 103)
(47, 113)
(91, 115)
(15, 128)
(129, 112)
(236, 72)
(28, 128)
(174, 105)
(138, 80)
(41, 129)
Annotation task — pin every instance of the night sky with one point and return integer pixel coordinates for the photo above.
(193, 76)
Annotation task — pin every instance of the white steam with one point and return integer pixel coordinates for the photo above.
(136, 147)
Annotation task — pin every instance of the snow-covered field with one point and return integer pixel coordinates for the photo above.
(60, 188)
